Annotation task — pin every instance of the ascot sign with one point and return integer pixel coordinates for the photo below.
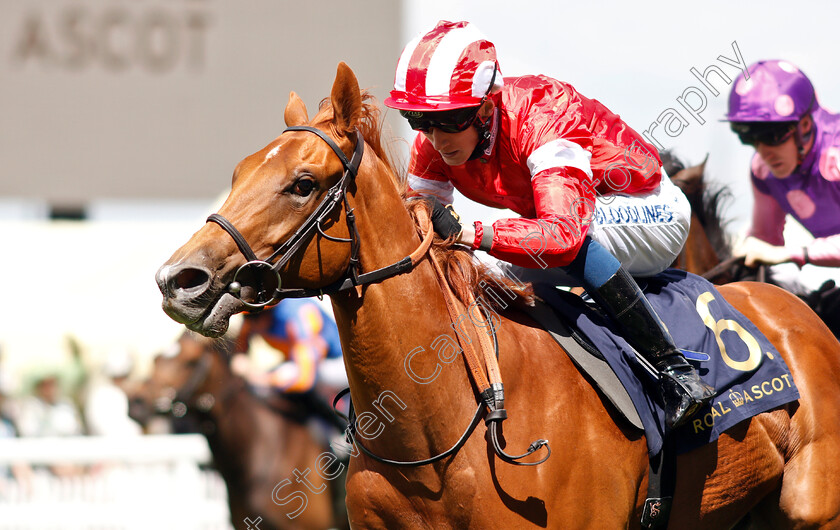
(155, 38)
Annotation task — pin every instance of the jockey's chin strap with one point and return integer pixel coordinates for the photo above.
(492, 391)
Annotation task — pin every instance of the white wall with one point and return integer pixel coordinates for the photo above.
(140, 110)
(635, 58)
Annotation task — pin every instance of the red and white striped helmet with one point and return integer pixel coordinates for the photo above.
(450, 67)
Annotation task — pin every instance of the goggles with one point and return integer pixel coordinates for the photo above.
(448, 121)
(767, 133)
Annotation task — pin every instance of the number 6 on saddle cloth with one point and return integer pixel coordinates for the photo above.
(743, 366)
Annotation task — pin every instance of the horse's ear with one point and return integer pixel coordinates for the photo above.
(295, 111)
(346, 99)
(701, 167)
(690, 179)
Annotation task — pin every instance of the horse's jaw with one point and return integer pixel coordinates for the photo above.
(210, 320)
(216, 320)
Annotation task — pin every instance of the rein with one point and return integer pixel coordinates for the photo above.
(724, 266)
(490, 385)
(492, 392)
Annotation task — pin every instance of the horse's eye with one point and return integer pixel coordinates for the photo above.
(304, 187)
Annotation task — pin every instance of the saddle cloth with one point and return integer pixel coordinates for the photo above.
(746, 370)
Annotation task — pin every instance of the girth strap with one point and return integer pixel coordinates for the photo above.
(656, 509)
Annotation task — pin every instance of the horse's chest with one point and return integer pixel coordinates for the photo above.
(421, 499)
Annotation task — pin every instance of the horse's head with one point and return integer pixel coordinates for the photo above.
(284, 207)
(688, 179)
(194, 373)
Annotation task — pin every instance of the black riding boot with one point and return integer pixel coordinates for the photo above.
(683, 392)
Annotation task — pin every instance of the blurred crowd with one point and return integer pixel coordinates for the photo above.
(66, 400)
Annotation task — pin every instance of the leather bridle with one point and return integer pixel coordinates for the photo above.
(270, 293)
(491, 390)
(185, 394)
(266, 295)
(186, 398)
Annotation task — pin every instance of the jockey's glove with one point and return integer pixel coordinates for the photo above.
(444, 219)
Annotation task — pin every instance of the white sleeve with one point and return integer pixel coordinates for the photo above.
(443, 190)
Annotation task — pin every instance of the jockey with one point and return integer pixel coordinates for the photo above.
(795, 170)
(306, 334)
(596, 207)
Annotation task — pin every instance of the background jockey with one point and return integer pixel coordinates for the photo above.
(540, 148)
(308, 336)
(795, 170)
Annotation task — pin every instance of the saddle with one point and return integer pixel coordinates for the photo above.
(748, 372)
(595, 368)
(586, 356)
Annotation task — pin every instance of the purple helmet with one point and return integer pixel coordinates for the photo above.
(775, 91)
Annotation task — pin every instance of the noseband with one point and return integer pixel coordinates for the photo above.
(266, 272)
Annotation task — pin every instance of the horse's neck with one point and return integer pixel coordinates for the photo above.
(700, 255)
(235, 424)
(394, 317)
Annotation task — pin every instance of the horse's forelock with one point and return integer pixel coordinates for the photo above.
(372, 128)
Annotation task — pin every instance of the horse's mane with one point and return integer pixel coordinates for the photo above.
(464, 273)
(707, 203)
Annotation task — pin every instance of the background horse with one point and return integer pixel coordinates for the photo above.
(781, 465)
(708, 245)
(255, 445)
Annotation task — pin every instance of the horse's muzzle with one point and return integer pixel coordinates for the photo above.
(191, 296)
(184, 288)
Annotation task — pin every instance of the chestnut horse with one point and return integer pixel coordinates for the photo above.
(782, 467)
(255, 444)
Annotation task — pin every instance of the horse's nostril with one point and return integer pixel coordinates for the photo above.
(190, 278)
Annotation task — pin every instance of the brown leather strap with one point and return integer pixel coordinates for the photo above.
(492, 396)
(420, 251)
(455, 316)
(476, 362)
(491, 363)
